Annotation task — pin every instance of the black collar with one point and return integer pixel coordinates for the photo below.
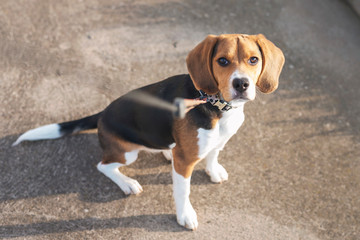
(216, 100)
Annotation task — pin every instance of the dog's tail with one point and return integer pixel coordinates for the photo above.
(57, 130)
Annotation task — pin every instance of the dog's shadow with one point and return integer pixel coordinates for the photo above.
(142, 221)
(68, 165)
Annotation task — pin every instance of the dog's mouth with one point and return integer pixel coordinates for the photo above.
(235, 97)
(241, 97)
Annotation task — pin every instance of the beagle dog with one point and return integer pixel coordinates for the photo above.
(225, 70)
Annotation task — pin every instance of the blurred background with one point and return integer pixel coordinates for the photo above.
(293, 166)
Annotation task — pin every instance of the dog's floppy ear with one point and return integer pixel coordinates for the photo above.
(199, 64)
(272, 63)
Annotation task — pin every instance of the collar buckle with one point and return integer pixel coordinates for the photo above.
(216, 101)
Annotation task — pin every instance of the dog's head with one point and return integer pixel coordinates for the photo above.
(233, 64)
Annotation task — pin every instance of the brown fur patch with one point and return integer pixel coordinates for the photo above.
(186, 150)
(200, 66)
(272, 63)
(114, 148)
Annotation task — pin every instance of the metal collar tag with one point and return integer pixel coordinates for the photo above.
(216, 101)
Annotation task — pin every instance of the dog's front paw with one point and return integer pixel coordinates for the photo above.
(187, 217)
(217, 173)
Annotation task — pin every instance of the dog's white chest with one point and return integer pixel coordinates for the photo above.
(224, 129)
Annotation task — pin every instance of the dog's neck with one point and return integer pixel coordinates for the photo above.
(216, 100)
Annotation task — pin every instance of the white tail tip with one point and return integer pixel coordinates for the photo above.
(50, 131)
(16, 142)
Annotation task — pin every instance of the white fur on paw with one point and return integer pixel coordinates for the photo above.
(217, 173)
(130, 186)
(168, 154)
(187, 218)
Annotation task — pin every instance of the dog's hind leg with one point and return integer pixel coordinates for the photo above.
(111, 170)
(118, 153)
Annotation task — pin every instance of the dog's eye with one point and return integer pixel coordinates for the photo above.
(223, 62)
(253, 60)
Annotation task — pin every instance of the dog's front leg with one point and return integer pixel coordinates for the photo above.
(181, 175)
(214, 169)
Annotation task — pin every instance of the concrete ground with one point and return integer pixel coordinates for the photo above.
(294, 166)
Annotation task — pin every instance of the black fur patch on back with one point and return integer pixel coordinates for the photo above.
(149, 125)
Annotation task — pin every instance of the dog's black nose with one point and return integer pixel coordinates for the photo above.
(241, 84)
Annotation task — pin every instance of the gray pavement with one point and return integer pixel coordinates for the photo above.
(294, 166)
